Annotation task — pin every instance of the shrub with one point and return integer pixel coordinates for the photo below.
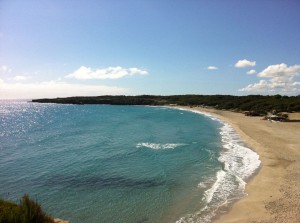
(9, 212)
(28, 211)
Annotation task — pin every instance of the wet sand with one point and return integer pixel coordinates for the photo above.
(274, 192)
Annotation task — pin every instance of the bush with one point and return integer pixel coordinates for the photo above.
(9, 212)
(28, 211)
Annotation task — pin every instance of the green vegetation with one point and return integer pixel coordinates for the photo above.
(258, 103)
(28, 211)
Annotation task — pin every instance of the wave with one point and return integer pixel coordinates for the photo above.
(238, 159)
(158, 146)
(239, 163)
(201, 113)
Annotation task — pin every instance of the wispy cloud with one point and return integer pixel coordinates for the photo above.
(84, 73)
(280, 79)
(212, 68)
(251, 72)
(54, 89)
(5, 69)
(21, 78)
(245, 63)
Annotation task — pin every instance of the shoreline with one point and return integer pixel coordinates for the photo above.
(273, 193)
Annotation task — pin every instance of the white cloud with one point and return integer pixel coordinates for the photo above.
(84, 73)
(5, 69)
(212, 68)
(280, 70)
(251, 72)
(280, 79)
(260, 86)
(245, 63)
(54, 89)
(21, 78)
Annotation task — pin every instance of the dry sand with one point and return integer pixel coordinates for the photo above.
(274, 192)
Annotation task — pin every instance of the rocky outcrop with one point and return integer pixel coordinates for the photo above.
(57, 220)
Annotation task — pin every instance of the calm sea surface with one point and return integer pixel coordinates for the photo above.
(120, 164)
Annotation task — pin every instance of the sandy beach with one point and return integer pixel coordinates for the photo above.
(274, 192)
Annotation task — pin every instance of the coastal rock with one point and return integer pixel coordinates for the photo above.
(57, 220)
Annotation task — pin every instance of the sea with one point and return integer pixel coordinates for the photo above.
(121, 164)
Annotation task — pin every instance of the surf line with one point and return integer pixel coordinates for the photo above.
(239, 164)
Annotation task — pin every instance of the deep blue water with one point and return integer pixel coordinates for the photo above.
(101, 163)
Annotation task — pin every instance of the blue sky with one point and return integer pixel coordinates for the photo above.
(54, 48)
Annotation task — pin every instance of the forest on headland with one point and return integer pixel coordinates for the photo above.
(258, 103)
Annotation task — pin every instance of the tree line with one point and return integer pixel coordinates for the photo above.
(258, 103)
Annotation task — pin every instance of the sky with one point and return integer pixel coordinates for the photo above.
(54, 48)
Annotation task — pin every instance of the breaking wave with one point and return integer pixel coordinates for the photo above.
(158, 146)
(239, 163)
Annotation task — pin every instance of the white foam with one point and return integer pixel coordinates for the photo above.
(238, 159)
(239, 163)
(199, 112)
(158, 146)
(211, 191)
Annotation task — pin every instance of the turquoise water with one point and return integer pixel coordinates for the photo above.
(101, 163)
